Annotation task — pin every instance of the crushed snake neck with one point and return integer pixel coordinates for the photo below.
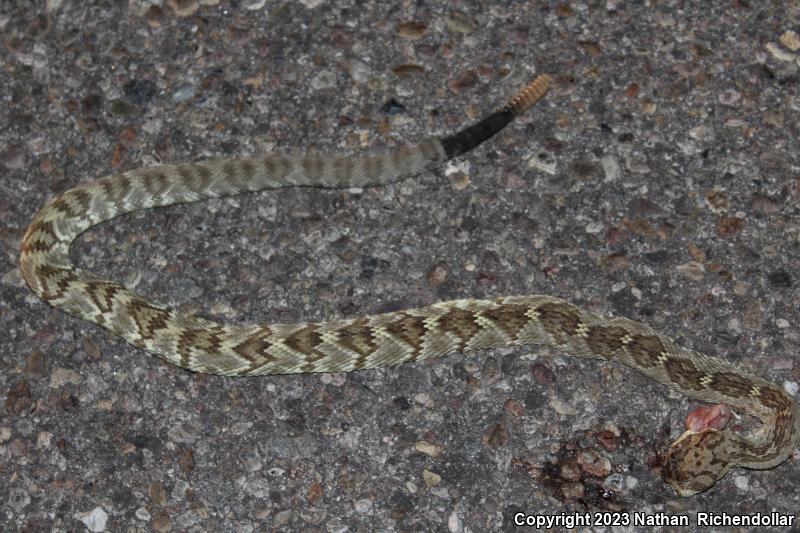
(694, 462)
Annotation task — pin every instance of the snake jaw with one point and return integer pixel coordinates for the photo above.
(692, 464)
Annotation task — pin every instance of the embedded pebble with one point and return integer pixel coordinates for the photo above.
(363, 506)
(729, 97)
(13, 157)
(594, 463)
(702, 133)
(790, 40)
(408, 70)
(18, 499)
(428, 448)
(467, 80)
(779, 53)
(431, 478)
(140, 92)
(573, 491)
(496, 436)
(692, 270)
(325, 79)
(460, 23)
(282, 518)
(717, 201)
(593, 228)
(183, 92)
(94, 520)
(184, 432)
(544, 161)
(570, 472)
(774, 118)
(253, 462)
(454, 522)
(412, 30)
(611, 168)
(562, 408)
(162, 523)
(61, 376)
(255, 6)
(614, 483)
(514, 407)
(360, 71)
(183, 8)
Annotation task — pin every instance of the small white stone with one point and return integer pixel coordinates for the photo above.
(729, 97)
(544, 161)
(610, 167)
(455, 166)
(562, 408)
(142, 514)
(324, 80)
(179, 490)
(424, 399)
(255, 6)
(702, 133)
(614, 482)
(43, 440)
(742, 482)
(779, 53)
(337, 379)
(594, 228)
(454, 522)
(95, 520)
(442, 492)
(360, 71)
(791, 387)
(363, 506)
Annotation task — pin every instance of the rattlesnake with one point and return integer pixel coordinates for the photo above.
(694, 462)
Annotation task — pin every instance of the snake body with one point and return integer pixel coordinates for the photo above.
(694, 462)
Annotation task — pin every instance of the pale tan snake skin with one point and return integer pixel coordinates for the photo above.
(694, 462)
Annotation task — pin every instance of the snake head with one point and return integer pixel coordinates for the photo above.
(693, 463)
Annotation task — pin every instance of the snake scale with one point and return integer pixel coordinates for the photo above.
(693, 463)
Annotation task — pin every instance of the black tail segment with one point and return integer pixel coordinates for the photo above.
(468, 138)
